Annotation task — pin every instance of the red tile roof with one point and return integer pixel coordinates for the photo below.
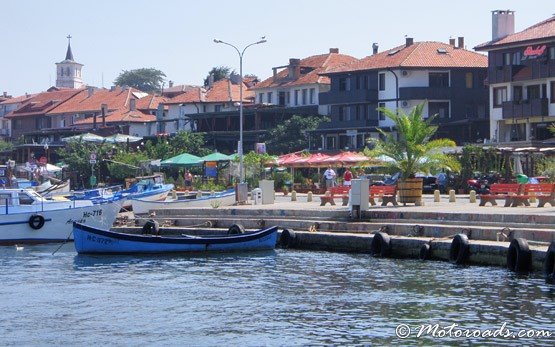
(192, 95)
(419, 55)
(83, 103)
(315, 65)
(537, 32)
(150, 102)
(42, 103)
(221, 91)
(122, 115)
(17, 99)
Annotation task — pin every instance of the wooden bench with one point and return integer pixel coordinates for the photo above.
(387, 193)
(544, 192)
(342, 191)
(502, 191)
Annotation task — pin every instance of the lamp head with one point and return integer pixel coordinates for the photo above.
(217, 41)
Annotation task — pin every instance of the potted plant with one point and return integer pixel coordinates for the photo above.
(412, 150)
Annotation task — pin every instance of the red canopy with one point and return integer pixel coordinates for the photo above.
(287, 159)
(346, 158)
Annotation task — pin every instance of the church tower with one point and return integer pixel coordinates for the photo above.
(68, 72)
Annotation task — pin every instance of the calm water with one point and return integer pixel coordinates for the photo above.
(279, 298)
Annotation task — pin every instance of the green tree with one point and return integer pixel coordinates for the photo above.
(5, 146)
(145, 79)
(219, 73)
(182, 142)
(126, 164)
(254, 166)
(76, 155)
(413, 150)
(291, 135)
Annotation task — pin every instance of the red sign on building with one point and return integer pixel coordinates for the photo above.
(532, 53)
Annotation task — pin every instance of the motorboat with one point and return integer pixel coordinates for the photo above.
(214, 200)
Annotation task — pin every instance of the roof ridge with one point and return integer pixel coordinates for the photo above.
(416, 44)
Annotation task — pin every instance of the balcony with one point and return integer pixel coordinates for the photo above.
(348, 96)
(420, 93)
(525, 108)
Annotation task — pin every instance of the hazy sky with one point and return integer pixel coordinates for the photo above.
(177, 36)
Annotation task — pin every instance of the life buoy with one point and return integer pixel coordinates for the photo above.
(549, 264)
(459, 251)
(519, 256)
(151, 227)
(425, 251)
(288, 238)
(236, 229)
(381, 245)
(36, 221)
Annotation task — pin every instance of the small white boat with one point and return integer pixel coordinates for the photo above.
(28, 217)
(225, 198)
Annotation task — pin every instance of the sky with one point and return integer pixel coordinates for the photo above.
(176, 36)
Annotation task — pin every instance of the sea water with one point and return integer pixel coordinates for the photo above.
(275, 298)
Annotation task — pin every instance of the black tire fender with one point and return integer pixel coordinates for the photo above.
(549, 264)
(36, 221)
(236, 229)
(381, 245)
(425, 251)
(288, 239)
(151, 227)
(460, 249)
(519, 256)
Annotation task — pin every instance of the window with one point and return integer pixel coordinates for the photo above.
(499, 96)
(312, 95)
(269, 97)
(343, 84)
(533, 91)
(381, 114)
(507, 59)
(553, 92)
(304, 96)
(217, 108)
(261, 98)
(330, 142)
(25, 199)
(358, 111)
(516, 58)
(469, 80)
(439, 79)
(517, 93)
(552, 53)
(296, 97)
(341, 113)
(381, 81)
(281, 98)
(365, 82)
(439, 108)
(288, 98)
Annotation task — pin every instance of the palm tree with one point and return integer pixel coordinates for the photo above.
(413, 149)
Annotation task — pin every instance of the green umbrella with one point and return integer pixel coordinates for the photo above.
(184, 159)
(216, 156)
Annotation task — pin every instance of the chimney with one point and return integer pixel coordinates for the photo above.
(502, 24)
(132, 105)
(408, 41)
(374, 48)
(461, 42)
(274, 70)
(170, 84)
(210, 81)
(112, 88)
(90, 91)
(294, 68)
(334, 50)
(452, 42)
(103, 112)
(235, 78)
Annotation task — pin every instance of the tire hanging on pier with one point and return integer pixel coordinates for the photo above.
(36, 221)
(151, 227)
(288, 238)
(460, 249)
(519, 256)
(549, 264)
(236, 229)
(381, 245)
(425, 251)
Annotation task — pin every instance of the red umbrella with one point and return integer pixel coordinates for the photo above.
(317, 159)
(348, 158)
(287, 159)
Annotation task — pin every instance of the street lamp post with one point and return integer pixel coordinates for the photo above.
(241, 53)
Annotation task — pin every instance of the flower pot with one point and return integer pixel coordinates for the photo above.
(409, 190)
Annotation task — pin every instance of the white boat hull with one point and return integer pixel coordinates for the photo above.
(156, 197)
(15, 227)
(141, 206)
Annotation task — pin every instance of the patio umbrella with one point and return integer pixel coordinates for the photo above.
(287, 159)
(120, 138)
(216, 156)
(346, 158)
(317, 160)
(182, 160)
(87, 137)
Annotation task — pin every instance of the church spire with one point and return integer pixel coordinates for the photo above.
(69, 54)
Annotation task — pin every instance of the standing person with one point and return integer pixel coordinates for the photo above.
(188, 177)
(329, 175)
(442, 182)
(347, 177)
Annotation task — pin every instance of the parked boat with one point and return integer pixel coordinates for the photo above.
(28, 217)
(89, 239)
(225, 198)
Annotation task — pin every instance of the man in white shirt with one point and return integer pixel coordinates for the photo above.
(329, 175)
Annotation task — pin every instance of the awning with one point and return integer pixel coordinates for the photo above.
(184, 160)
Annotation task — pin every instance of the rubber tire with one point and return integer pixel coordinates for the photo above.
(36, 221)
(236, 229)
(151, 227)
(519, 256)
(288, 238)
(460, 249)
(381, 245)
(549, 264)
(425, 252)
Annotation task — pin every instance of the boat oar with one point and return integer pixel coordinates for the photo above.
(63, 243)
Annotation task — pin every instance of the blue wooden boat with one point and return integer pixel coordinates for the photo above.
(93, 240)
